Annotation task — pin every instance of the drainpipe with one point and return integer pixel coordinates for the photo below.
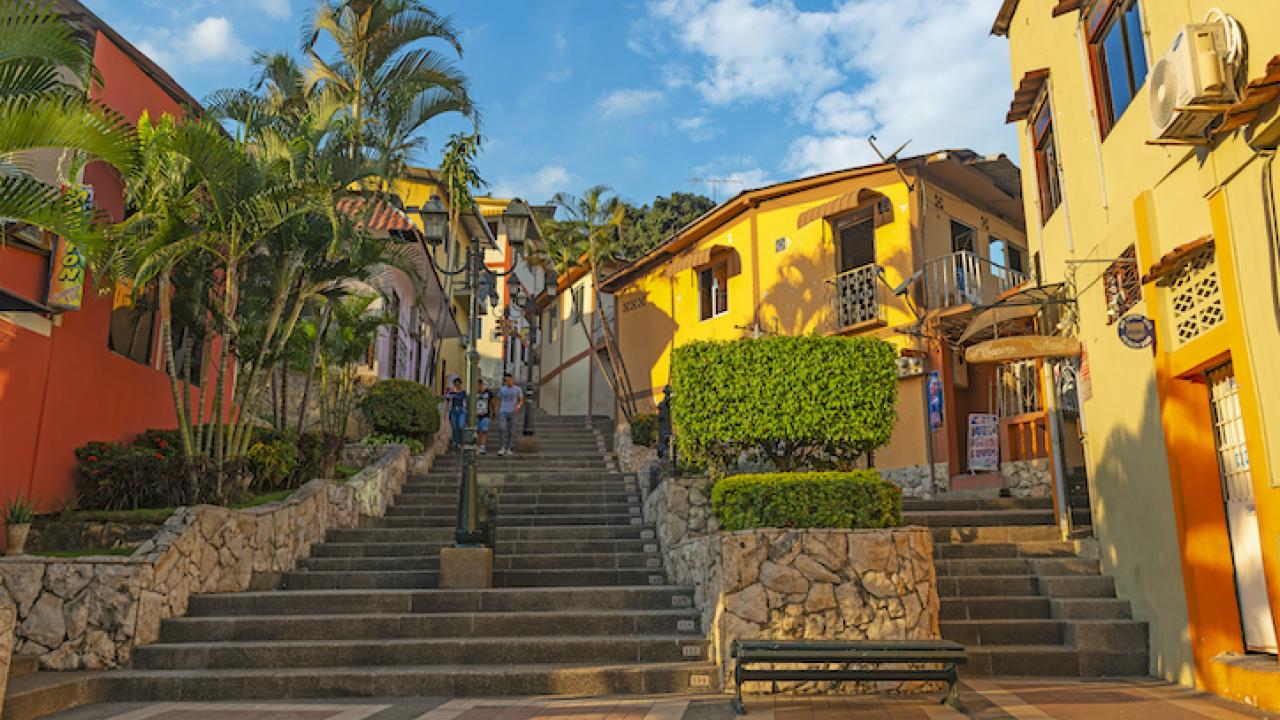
(922, 212)
(1056, 455)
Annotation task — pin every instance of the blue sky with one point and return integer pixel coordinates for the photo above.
(644, 95)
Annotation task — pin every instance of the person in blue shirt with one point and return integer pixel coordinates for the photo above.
(457, 399)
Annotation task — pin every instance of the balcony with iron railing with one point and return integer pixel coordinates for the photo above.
(963, 278)
(859, 297)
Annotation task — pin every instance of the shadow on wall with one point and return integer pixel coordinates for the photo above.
(651, 337)
(802, 298)
(1137, 534)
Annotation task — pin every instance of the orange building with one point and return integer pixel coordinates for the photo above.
(82, 365)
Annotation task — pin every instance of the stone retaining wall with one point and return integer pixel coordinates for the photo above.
(915, 482)
(1028, 478)
(89, 613)
(812, 584)
(8, 617)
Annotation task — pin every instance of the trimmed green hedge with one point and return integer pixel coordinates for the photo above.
(401, 407)
(797, 400)
(858, 499)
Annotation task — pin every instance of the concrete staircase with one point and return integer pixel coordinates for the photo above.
(581, 602)
(1023, 601)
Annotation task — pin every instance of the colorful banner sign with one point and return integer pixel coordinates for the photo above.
(66, 276)
(984, 442)
(935, 400)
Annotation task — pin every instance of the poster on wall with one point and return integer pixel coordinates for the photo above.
(984, 442)
(66, 277)
(935, 400)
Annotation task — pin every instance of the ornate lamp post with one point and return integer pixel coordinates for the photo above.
(435, 222)
(516, 219)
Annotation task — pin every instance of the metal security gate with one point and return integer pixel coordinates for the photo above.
(1242, 514)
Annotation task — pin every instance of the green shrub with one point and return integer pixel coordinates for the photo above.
(114, 476)
(318, 455)
(791, 398)
(644, 429)
(272, 463)
(858, 499)
(401, 407)
(379, 439)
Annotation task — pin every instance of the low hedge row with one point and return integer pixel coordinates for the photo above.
(853, 500)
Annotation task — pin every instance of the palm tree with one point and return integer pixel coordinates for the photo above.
(596, 220)
(42, 110)
(390, 85)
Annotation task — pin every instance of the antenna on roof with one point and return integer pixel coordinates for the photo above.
(715, 184)
(892, 159)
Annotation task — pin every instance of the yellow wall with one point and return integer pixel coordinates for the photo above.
(1153, 517)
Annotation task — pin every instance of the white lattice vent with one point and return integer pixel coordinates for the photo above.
(1195, 296)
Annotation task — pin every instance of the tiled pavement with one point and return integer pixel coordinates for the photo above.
(993, 699)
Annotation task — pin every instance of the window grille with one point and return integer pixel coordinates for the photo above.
(1122, 285)
(1195, 296)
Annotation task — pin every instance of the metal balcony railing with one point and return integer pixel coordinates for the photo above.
(858, 296)
(963, 278)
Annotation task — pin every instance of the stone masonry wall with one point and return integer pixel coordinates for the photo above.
(8, 617)
(89, 613)
(813, 584)
(1028, 478)
(915, 482)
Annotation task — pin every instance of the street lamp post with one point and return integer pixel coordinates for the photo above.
(435, 221)
(531, 356)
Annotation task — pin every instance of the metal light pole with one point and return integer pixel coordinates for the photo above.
(435, 221)
(531, 355)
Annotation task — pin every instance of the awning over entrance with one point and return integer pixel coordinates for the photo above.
(702, 257)
(1022, 347)
(1006, 319)
(866, 197)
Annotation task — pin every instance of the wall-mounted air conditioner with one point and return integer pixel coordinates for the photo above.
(1190, 84)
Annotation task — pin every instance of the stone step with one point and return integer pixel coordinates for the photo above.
(347, 580)
(1052, 661)
(505, 533)
(516, 463)
(516, 547)
(988, 586)
(509, 498)
(329, 602)
(510, 521)
(993, 608)
(1106, 635)
(37, 695)
(418, 651)
(416, 681)
(392, 579)
(20, 665)
(1017, 566)
(997, 534)
(550, 560)
(574, 577)
(371, 626)
(970, 504)
(995, 550)
(510, 509)
(536, 482)
(984, 518)
(1099, 586)
(1090, 608)
(1020, 631)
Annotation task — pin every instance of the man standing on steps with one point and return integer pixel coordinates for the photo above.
(484, 400)
(510, 400)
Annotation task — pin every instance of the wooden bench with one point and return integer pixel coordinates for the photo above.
(864, 652)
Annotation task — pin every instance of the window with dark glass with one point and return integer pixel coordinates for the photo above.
(1118, 57)
(133, 320)
(1122, 285)
(713, 290)
(1048, 181)
(962, 237)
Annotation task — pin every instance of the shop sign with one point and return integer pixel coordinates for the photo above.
(935, 400)
(1085, 376)
(66, 276)
(1136, 331)
(984, 442)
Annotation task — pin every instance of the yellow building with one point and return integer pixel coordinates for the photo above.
(825, 254)
(1149, 130)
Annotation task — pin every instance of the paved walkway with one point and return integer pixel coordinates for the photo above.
(985, 699)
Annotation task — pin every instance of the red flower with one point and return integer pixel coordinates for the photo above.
(159, 456)
(92, 458)
(162, 444)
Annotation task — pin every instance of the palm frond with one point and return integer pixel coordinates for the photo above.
(27, 124)
(32, 32)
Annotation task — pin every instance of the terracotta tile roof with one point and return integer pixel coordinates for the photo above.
(1024, 98)
(1172, 259)
(384, 216)
(1257, 94)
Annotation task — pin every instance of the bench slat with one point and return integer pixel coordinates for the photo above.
(823, 645)
(877, 656)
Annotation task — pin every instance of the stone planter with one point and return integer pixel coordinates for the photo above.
(16, 537)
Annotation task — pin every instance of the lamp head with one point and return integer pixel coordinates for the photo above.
(515, 221)
(435, 220)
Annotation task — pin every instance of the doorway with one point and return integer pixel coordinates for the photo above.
(1242, 514)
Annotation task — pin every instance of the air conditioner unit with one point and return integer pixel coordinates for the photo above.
(1190, 84)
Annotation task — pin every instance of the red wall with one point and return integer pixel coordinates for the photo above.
(60, 391)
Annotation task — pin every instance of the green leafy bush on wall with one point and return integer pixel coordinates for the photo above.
(644, 429)
(401, 407)
(857, 499)
(378, 439)
(272, 463)
(791, 398)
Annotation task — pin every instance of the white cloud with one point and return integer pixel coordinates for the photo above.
(628, 101)
(913, 69)
(278, 9)
(537, 186)
(699, 128)
(213, 38)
